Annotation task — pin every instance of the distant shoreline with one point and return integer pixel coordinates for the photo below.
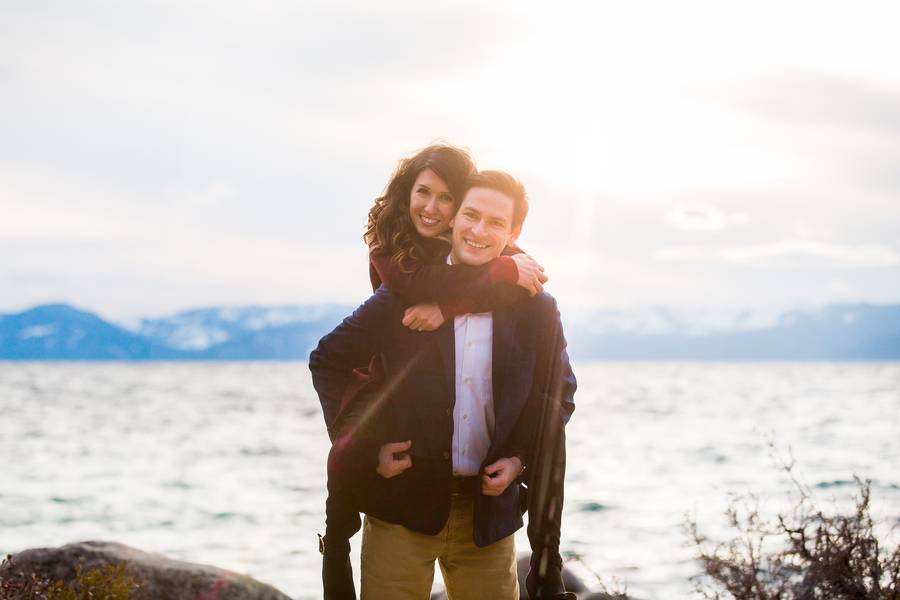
(846, 332)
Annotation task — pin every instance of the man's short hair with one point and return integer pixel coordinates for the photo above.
(504, 183)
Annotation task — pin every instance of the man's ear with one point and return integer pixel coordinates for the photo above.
(512, 236)
(450, 224)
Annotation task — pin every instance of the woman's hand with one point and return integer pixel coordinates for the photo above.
(423, 317)
(498, 475)
(531, 274)
(393, 459)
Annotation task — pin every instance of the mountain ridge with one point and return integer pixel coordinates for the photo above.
(60, 331)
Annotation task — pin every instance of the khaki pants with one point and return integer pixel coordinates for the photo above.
(398, 564)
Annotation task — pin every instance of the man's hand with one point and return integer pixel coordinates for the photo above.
(423, 317)
(531, 274)
(498, 475)
(393, 459)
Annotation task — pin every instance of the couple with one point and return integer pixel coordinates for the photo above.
(465, 397)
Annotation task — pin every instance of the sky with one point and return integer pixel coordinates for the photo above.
(157, 156)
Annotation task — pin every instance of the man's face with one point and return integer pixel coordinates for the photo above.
(483, 226)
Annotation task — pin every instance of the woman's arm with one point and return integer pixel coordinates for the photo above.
(461, 289)
(439, 282)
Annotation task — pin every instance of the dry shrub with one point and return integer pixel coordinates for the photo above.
(801, 554)
(609, 588)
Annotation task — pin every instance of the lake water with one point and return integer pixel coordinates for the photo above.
(223, 463)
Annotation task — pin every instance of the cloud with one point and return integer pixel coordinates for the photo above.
(143, 276)
(821, 98)
(789, 253)
(869, 255)
(826, 130)
(703, 218)
(262, 91)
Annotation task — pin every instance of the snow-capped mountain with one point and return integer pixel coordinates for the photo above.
(59, 331)
(202, 328)
(838, 332)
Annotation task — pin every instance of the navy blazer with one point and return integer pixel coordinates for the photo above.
(419, 392)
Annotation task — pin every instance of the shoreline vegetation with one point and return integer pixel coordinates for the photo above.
(803, 552)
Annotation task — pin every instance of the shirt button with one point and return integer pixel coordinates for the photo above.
(446, 455)
(467, 379)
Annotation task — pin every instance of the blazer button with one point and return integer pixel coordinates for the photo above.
(446, 455)
(449, 412)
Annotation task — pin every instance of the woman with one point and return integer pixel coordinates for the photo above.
(408, 245)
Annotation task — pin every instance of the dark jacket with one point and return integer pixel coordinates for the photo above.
(418, 396)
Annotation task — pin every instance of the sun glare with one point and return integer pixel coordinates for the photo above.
(641, 99)
(598, 111)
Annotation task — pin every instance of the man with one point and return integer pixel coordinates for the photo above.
(462, 409)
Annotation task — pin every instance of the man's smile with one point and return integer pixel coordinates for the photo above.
(475, 244)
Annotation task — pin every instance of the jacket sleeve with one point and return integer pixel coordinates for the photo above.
(349, 345)
(457, 289)
(553, 387)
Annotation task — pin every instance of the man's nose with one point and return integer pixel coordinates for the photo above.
(479, 228)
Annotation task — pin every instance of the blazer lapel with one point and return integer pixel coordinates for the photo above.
(506, 405)
(446, 338)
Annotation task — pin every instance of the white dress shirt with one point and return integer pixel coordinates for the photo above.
(473, 413)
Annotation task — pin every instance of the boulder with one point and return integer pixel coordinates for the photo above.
(160, 578)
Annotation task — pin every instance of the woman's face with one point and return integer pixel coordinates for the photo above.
(430, 204)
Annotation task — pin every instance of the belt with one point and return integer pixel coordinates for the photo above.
(464, 485)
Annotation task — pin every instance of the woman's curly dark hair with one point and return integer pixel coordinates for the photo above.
(390, 229)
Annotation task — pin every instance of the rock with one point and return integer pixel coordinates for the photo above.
(161, 578)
